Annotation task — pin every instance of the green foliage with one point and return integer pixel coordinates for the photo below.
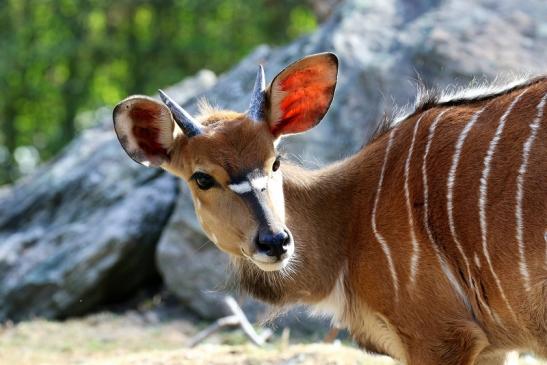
(59, 58)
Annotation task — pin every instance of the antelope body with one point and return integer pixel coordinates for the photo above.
(429, 244)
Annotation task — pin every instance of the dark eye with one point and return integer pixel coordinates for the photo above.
(204, 180)
(276, 164)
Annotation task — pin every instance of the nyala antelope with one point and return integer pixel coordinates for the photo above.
(429, 244)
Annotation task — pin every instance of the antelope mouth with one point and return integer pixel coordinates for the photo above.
(267, 263)
(265, 260)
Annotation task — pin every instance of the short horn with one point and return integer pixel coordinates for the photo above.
(258, 98)
(184, 120)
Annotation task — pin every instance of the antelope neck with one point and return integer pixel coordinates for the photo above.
(321, 214)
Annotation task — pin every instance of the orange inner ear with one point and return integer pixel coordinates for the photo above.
(306, 96)
(303, 108)
(144, 116)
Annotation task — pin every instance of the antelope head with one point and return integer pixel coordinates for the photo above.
(229, 159)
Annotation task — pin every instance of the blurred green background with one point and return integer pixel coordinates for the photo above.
(59, 60)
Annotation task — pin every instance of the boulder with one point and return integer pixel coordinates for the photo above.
(83, 229)
(384, 47)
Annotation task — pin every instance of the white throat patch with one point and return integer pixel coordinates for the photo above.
(335, 303)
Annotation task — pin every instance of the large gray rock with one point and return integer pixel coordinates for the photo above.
(83, 229)
(191, 265)
(383, 46)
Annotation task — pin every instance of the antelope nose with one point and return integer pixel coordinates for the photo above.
(273, 244)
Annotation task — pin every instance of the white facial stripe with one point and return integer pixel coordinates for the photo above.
(258, 183)
(241, 188)
(275, 191)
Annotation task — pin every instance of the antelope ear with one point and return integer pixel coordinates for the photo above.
(300, 95)
(144, 128)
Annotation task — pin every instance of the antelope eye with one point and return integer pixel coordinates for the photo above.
(276, 164)
(203, 180)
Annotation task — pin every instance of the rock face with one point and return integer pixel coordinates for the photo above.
(192, 267)
(383, 46)
(83, 229)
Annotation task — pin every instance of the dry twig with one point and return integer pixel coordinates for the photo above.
(237, 318)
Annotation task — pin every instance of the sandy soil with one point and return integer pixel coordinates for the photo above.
(310, 354)
(135, 338)
(142, 338)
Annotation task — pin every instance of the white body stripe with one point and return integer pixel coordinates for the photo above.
(378, 235)
(483, 198)
(545, 239)
(450, 185)
(414, 259)
(444, 265)
(526, 148)
(450, 201)
(477, 260)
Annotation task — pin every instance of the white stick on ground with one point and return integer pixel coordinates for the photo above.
(237, 318)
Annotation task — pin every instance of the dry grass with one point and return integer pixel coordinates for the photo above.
(311, 354)
(136, 339)
(133, 339)
(97, 336)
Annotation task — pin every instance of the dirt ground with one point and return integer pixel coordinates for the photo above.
(311, 354)
(142, 338)
(135, 338)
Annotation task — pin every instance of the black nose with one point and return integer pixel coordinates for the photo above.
(273, 244)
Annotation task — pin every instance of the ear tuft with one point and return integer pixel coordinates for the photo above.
(301, 94)
(144, 128)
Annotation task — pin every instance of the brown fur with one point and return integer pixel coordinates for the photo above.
(329, 212)
(435, 326)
